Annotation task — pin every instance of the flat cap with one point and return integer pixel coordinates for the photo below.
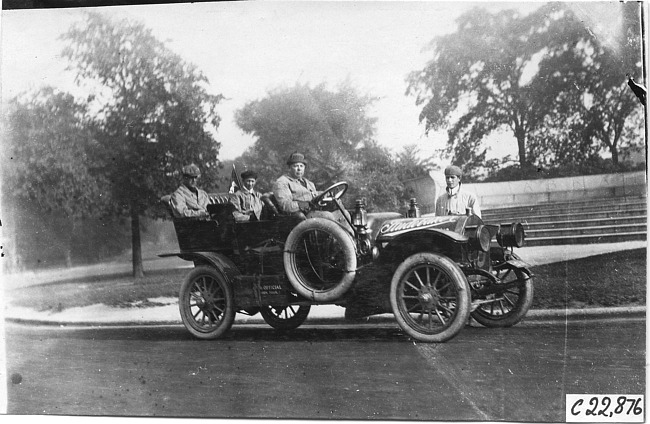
(296, 158)
(453, 170)
(249, 174)
(191, 171)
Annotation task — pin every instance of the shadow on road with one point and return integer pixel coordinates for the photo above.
(247, 333)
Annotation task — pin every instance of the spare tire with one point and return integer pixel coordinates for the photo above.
(320, 260)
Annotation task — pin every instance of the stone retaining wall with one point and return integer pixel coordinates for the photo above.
(530, 192)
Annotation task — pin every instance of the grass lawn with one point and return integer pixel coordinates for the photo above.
(613, 279)
(114, 290)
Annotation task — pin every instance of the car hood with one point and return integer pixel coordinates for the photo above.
(377, 219)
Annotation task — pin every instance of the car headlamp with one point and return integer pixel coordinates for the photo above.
(479, 237)
(511, 235)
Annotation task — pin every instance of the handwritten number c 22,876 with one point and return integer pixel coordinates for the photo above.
(605, 403)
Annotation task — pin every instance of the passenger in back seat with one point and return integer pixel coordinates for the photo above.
(247, 201)
(189, 201)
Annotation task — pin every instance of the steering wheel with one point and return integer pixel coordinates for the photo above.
(330, 194)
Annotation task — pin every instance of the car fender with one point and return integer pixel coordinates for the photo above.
(516, 263)
(220, 262)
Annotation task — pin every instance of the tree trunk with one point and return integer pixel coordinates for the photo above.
(136, 245)
(614, 155)
(614, 147)
(9, 230)
(68, 256)
(520, 135)
(69, 242)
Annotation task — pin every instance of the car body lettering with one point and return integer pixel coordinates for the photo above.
(271, 287)
(394, 226)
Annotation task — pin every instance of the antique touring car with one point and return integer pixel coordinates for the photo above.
(431, 272)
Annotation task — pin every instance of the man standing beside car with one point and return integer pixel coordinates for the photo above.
(293, 191)
(454, 201)
(189, 201)
(247, 201)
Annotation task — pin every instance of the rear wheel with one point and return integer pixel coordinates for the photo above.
(206, 303)
(507, 306)
(285, 317)
(430, 297)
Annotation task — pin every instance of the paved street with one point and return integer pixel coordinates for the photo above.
(322, 372)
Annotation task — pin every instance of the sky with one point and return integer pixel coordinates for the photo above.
(247, 49)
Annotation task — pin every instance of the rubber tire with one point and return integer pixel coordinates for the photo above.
(448, 267)
(228, 315)
(284, 324)
(298, 281)
(517, 314)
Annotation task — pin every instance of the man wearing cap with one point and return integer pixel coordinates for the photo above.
(293, 191)
(455, 201)
(189, 201)
(247, 201)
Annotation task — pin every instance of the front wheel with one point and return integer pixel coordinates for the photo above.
(206, 303)
(508, 303)
(285, 317)
(430, 297)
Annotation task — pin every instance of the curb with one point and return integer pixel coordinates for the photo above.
(557, 314)
(534, 315)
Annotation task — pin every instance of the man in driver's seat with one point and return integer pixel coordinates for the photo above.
(293, 191)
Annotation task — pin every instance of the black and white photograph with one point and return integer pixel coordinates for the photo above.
(324, 210)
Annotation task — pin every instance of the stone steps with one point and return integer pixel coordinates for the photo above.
(598, 222)
(584, 231)
(567, 217)
(565, 209)
(589, 221)
(586, 239)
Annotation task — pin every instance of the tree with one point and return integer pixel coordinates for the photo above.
(501, 71)
(411, 165)
(154, 114)
(375, 177)
(595, 109)
(47, 165)
(327, 126)
(612, 104)
(333, 130)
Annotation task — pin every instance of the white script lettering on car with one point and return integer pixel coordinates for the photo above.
(392, 227)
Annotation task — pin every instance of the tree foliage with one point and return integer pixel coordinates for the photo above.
(612, 105)
(411, 164)
(154, 113)
(327, 126)
(51, 192)
(332, 128)
(375, 177)
(47, 159)
(526, 75)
